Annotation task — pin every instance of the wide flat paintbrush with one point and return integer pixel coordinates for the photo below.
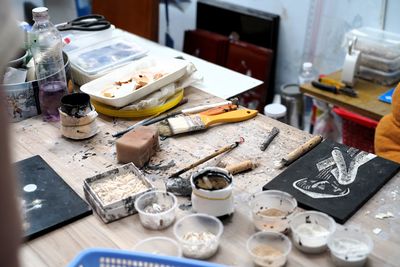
(198, 122)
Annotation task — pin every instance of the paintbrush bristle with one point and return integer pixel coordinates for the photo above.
(184, 124)
(164, 129)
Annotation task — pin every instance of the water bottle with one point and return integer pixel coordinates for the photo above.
(46, 49)
(307, 74)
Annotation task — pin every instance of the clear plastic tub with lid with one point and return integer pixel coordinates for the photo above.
(380, 49)
(377, 76)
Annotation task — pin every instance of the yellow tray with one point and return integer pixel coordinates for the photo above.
(115, 112)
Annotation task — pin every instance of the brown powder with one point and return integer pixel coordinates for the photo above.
(272, 212)
(267, 251)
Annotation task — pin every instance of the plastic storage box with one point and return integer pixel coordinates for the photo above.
(357, 131)
(101, 257)
(380, 77)
(379, 49)
(98, 59)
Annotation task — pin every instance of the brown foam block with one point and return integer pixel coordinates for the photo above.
(138, 146)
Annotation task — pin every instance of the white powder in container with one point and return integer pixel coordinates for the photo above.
(349, 252)
(118, 187)
(199, 245)
(311, 237)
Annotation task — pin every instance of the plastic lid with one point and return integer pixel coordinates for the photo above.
(40, 12)
(275, 110)
(307, 66)
(291, 90)
(376, 42)
(105, 55)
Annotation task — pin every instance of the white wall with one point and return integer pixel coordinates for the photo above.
(59, 10)
(309, 29)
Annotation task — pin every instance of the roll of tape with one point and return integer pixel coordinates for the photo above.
(350, 67)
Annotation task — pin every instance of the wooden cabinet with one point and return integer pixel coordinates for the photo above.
(243, 57)
(254, 61)
(206, 45)
(139, 16)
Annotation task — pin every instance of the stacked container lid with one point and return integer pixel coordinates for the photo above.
(380, 54)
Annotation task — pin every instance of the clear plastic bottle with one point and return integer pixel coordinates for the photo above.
(46, 49)
(307, 74)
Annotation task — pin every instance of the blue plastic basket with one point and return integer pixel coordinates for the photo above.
(104, 257)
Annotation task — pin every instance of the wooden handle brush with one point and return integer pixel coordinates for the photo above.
(239, 167)
(200, 161)
(198, 122)
(300, 151)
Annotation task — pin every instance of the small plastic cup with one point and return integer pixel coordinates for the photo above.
(162, 205)
(271, 210)
(350, 247)
(269, 248)
(159, 245)
(311, 231)
(198, 235)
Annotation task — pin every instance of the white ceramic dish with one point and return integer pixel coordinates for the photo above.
(172, 70)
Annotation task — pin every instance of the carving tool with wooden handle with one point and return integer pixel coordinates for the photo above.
(240, 167)
(184, 124)
(181, 186)
(274, 132)
(300, 151)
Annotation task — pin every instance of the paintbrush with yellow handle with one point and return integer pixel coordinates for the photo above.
(184, 124)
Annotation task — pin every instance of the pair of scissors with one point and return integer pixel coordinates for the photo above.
(86, 23)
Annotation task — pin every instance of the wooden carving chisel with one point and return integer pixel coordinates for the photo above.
(301, 150)
(274, 132)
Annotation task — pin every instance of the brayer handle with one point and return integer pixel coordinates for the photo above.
(240, 167)
(298, 152)
(197, 163)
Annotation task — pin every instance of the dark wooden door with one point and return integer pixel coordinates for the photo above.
(136, 16)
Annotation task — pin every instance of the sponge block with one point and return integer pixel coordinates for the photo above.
(138, 146)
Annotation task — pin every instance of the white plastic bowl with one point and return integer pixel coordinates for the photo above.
(159, 245)
(350, 247)
(311, 231)
(268, 200)
(158, 220)
(198, 224)
(269, 248)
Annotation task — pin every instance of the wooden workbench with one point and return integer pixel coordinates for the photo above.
(68, 158)
(366, 104)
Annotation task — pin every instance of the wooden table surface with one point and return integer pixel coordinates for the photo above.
(366, 104)
(68, 158)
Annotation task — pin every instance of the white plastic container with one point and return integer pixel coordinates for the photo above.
(350, 247)
(213, 202)
(380, 77)
(105, 55)
(156, 209)
(206, 228)
(173, 69)
(311, 231)
(159, 245)
(275, 111)
(269, 248)
(271, 210)
(380, 50)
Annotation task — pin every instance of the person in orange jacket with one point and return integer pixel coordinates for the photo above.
(387, 134)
